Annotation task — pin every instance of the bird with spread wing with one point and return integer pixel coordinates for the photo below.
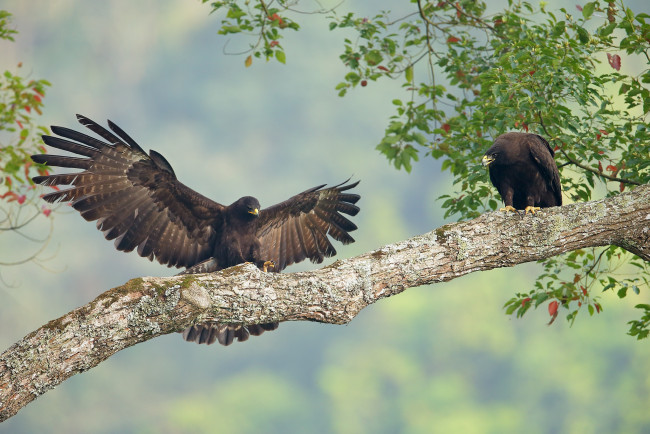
(137, 201)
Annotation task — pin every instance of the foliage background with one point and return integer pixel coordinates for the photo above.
(435, 359)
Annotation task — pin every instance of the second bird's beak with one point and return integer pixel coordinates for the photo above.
(486, 161)
(254, 211)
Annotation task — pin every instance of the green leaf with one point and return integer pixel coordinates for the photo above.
(235, 12)
(607, 30)
(588, 10)
(583, 35)
(229, 29)
(373, 58)
(408, 74)
(279, 54)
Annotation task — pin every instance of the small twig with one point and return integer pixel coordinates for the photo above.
(584, 166)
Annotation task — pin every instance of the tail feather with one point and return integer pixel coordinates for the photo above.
(211, 332)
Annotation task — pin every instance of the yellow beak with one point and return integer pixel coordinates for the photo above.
(254, 212)
(486, 161)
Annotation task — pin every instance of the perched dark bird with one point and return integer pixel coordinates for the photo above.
(523, 170)
(138, 202)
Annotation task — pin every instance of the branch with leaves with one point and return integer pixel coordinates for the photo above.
(20, 101)
(148, 307)
(468, 76)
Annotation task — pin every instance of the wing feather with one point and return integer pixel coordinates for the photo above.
(134, 197)
(543, 154)
(300, 227)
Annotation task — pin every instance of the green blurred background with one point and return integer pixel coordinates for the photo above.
(442, 358)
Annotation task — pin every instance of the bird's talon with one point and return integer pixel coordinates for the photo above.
(532, 209)
(508, 208)
(268, 264)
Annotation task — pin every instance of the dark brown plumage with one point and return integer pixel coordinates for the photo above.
(523, 170)
(138, 202)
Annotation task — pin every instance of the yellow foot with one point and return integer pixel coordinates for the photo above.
(268, 264)
(508, 208)
(532, 209)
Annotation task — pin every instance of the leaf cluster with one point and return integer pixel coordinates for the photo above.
(469, 77)
(21, 100)
(264, 21)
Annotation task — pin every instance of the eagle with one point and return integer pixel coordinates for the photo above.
(137, 201)
(523, 170)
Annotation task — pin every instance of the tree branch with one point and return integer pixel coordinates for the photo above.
(148, 307)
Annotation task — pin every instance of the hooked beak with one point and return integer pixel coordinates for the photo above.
(487, 160)
(254, 211)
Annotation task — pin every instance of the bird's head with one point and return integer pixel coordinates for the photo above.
(247, 207)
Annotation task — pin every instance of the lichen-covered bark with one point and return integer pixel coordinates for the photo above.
(148, 307)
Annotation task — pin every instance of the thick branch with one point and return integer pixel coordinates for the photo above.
(149, 307)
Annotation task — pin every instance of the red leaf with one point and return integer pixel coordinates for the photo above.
(21, 199)
(579, 8)
(556, 148)
(28, 108)
(20, 124)
(552, 308)
(37, 98)
(524, 301)
(598, 308)
(600, 167)
(612, 168)
(621, 187)
(614, 61)
(446, 127)
(273, 43)
(364, 83)
(584, 291)
(576, 278)
(11, 194)
(452, 40)
(46, 211)
(383, 68)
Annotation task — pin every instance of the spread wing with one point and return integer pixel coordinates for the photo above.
(135, 198)
(543, 154)
(298, 228)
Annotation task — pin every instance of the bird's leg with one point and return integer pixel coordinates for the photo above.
(531, 208)
(267, 265)
(507, 200)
